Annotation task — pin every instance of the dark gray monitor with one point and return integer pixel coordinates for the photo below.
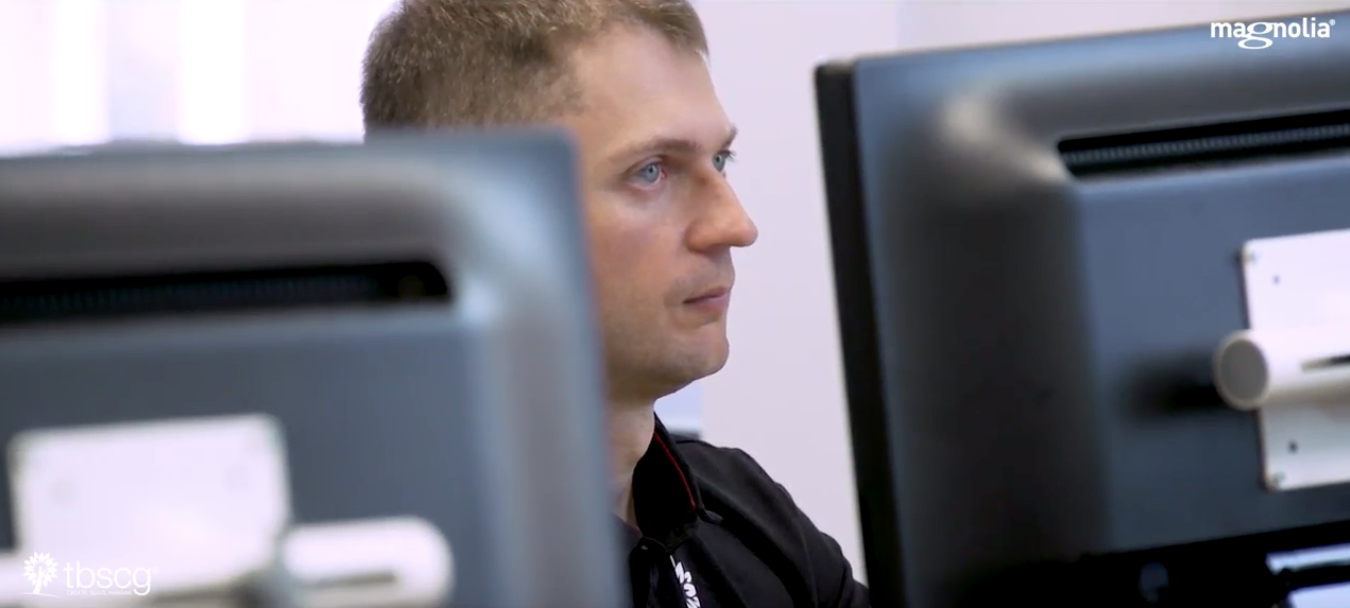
(1038, 250)
(415, 313)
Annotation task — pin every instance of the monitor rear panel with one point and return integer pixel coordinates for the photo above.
(1030, 307)
(415, 313)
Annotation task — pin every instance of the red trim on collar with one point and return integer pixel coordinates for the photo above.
(693, 505)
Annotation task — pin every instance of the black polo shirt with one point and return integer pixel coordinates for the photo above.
(717, 532)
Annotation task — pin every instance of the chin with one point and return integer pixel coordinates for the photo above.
(712, 360)
(690, 367)
(717, 362)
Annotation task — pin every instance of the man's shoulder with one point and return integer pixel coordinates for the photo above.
(730, 478)
(756, 509)
(719, 463)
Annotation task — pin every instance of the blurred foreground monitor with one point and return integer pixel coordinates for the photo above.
(323, 375)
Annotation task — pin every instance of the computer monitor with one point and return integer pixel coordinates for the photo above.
(1037, 249)
(414, 313)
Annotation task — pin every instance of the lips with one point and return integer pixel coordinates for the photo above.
(709, 294)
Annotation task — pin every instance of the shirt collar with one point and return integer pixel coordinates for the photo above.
(665, 497)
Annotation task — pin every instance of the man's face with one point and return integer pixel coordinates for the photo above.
(654, 143)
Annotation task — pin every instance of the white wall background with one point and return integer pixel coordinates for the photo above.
(81, 71)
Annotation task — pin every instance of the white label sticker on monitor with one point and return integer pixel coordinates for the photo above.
(191, 503)
(1297, 283)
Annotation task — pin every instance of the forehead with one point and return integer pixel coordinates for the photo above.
(635, 86)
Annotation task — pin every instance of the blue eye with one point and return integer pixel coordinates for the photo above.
(650, 173)
(720, 161)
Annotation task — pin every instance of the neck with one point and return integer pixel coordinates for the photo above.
(630, 433)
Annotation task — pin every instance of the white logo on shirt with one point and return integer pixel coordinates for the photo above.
(686, 581)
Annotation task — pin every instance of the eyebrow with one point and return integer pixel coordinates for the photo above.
(676, 145)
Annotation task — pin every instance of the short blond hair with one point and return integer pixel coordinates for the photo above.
(439, 63)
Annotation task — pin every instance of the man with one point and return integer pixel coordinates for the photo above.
(704, 527)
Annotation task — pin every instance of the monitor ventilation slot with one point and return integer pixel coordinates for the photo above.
(221, 292)
(1187, 148)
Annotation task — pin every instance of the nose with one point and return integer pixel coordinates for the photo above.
(723, 222)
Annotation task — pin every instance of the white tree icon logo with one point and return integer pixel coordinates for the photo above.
(40, 570)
